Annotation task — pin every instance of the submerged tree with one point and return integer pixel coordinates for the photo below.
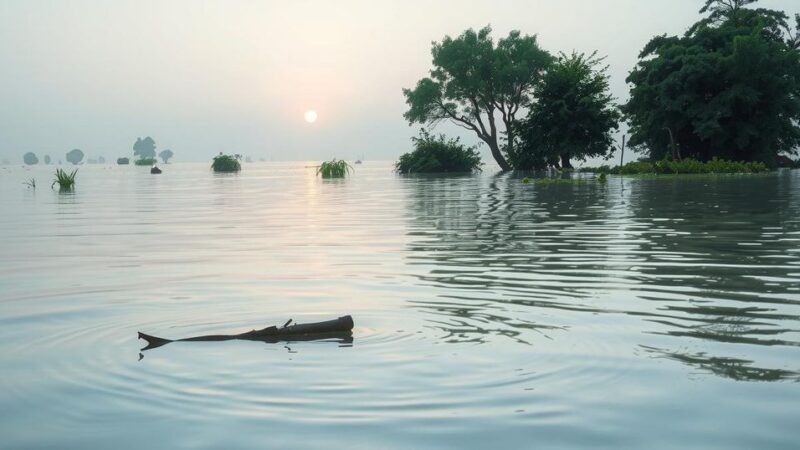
(145, 148)
(473, 81)
(573, 115)
(730, 87)
(166, 155)
(30, 158)
(47, 159)
(75, 156)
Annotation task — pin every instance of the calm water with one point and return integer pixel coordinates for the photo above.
(647, 313)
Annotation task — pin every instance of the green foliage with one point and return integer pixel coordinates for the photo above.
(123, 161)
(64, 180)
(602, 178)
(526, 180)
(145, 161)
(573, 115)
(473, 80)
(226, 163)
(436, 154)
(75, 156)
(689, 165)
(166, 155)
(335, 168)
(145, 148)
(30, 158)
(728, 88)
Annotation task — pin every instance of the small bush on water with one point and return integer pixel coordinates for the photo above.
(436, 154)
(226, 163)
(64, 180)
(145, 161)
(334, 169)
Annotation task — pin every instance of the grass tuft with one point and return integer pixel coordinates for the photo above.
(30, 183)
(334, 169)
(64, 180)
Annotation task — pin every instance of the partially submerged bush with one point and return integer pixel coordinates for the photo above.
(689, 165)
(436, 154)
(64, 180)
(226, 163)
(334, 169)
(123, 161)
(145, 161)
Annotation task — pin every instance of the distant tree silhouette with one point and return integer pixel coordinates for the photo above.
(145, 148)
(166, 155)
(30, 158)
(101, 159)
(75, 156)
(47, 159)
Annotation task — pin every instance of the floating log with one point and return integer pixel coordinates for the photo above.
(340, 328)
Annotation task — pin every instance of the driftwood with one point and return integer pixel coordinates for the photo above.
(340, 328)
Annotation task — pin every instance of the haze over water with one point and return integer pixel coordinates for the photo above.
(645, 313)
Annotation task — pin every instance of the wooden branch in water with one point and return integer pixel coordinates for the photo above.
(336, 328)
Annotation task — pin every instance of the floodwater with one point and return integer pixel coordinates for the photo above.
(644, 313)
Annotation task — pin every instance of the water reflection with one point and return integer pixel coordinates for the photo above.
(702, 260)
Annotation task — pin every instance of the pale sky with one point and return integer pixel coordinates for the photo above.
(202, 77)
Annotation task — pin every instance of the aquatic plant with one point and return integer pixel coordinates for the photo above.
(602, 178)
(526, 180)
(335, 168)
(65, 181)
(30, 183)
(690, 166)
(436, 154)
(123, 161)
(145, 161)
(226, 163)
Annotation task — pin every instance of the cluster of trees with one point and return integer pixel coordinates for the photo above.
(728, 88)
(74, 156)
(145, 149)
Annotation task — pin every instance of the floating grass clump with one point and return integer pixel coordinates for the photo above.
(436, 154)
(334, 169)
(64, 180)
(226, 163)
(145, 162)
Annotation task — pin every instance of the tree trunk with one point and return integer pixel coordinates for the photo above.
(498, 156)
(565, 164)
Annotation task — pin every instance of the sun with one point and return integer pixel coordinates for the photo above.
(310, 116)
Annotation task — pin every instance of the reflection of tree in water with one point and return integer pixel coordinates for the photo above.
(484, 235)
(733, 368)
(705, 258)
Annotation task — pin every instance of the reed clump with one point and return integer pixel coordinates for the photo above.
(335, 168)
(64, 180)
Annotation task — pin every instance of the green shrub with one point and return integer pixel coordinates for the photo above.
(436, 154)
(145, 161)
(226, 163)
(334, 169)
(64, 180)
(690, 166)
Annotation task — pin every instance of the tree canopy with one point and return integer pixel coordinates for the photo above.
(165, 155)
(30, 158)
(145, 148)
(728, 88)
(474, 81)
(573, 115)
(75, 156)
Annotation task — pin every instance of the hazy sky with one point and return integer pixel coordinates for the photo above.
(237, 76)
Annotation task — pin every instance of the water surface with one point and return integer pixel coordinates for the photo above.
(645, 313)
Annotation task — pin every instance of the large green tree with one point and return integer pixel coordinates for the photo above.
(145, 148)
(475, 84)
(729, 87)
(573, 115)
